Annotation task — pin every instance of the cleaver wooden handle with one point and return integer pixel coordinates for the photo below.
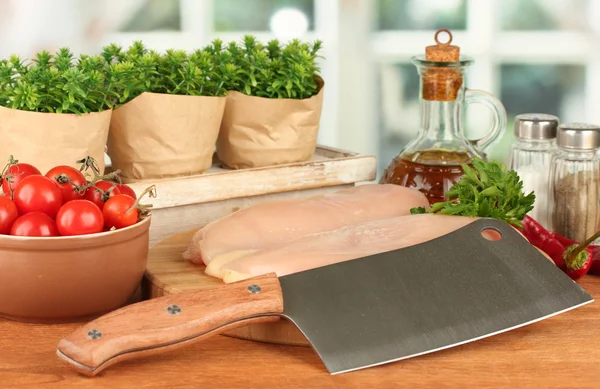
(167, 323)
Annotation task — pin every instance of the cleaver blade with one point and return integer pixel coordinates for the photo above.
(369, 311)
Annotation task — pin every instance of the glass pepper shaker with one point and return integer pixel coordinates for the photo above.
(530, 156)
(574, 187)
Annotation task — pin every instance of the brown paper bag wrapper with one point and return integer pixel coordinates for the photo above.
(258, 131)
(160, 136)
(46, 140)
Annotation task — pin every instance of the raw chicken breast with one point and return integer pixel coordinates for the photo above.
(271, 223)
(343, 244)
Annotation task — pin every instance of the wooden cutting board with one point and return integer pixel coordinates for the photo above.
(168, 273)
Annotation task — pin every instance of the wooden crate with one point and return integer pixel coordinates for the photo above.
(190, 202)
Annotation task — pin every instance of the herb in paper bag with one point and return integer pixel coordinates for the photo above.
(226, 71)
(132, 72)
(55, 83)
(275, 71)
(486, 190)
(138, 70)
(295, 68)
(191, 75)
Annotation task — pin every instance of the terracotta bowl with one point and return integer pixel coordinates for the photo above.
(71, 279)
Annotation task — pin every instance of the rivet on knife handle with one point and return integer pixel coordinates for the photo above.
(174, 309)
(166, 323)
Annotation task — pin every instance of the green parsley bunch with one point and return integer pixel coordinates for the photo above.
(487, 189)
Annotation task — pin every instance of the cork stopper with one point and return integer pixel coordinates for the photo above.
(442, 83)
(442, 52)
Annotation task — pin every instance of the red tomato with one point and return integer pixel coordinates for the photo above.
(18, 171)
(34, 224)
(126, 190)
(38, 194)
(8, 214)
(67, 177)
(79, 217)
(99, 198)
(115, 212)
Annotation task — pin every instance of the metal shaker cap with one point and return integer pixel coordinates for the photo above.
(536, 126)
(580, 136)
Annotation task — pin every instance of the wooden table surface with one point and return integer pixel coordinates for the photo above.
(560, 352)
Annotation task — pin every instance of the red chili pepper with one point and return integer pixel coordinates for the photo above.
(534, 231)
(578, 261)
(593, 249)
(544, 240)
(573, 258)
(563, 240)
(595, 268)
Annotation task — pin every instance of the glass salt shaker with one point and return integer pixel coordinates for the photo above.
(574, 187)
(530, 155)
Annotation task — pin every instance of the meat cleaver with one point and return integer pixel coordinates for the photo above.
(365, 312)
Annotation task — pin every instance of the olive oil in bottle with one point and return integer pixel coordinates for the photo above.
(431, 163)
(433, 172)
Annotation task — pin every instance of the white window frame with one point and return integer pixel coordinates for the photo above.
(352, 51)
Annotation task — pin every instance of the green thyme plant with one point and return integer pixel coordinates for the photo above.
(275, 70)
(225, 70)
(56, 83)
(187, 74)
(131, 72)
(61, 83)
(138, 70)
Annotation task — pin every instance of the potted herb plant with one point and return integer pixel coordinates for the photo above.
(274, 104)
(54, 108)
(171, 106)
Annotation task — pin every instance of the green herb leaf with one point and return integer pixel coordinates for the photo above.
(418, 210)
(486, 189)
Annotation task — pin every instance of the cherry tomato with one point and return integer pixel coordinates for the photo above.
(34, 224)
(79, 217)
(67, 177)
(8, 214)
(126, 190)
(38, 194)
(115, 212)
(18, 171)
(99, 198)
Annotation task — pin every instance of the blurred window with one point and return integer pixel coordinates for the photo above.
(258, 15)
(535, 55)
(421, 15)
(154, 15)
(548, 15)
